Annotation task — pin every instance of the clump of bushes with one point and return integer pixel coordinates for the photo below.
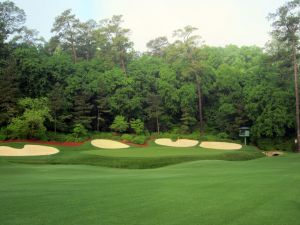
(275, 144)
(119, 125)
(137, 125)
(139, 139)
(127, 137)
(136, 139)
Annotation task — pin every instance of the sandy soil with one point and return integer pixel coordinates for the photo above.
(220, 145)
(177, 143)
(28, 150)
(273, 153)
(105, 143)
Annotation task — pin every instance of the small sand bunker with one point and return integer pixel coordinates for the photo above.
(104, 143)
(28, 150)
(273, 153)
(178, 143)
(220, 145)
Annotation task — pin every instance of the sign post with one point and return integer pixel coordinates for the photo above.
(244, 132)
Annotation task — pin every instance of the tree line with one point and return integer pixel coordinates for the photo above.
(89, 74)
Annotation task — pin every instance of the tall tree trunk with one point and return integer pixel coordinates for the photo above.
(98, 120)
(55, 123)
(296, 95)
(200, 106)
(123, 61)
(74, 53)
(157, 122)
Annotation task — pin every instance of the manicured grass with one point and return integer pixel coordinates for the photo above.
(208, 192)
(152, 156)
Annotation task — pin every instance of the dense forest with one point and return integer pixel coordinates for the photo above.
(88, 77)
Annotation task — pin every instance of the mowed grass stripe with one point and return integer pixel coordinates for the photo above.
(263, 191)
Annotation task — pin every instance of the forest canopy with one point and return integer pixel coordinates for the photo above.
(89, 77)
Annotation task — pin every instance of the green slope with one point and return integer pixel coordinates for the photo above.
(263, 191)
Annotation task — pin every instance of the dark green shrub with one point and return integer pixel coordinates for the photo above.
(79, 131)
(276, 144)
(120, 124)
(141, 139)
(222, 135)
(3, 134)
(3, 137)
(127, 137)
(137, 125)
(265, 144)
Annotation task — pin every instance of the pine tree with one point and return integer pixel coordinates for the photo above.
(58, 106)
(9, 93)
(82, 109)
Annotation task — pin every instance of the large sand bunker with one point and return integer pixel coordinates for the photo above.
(104, 143)
(220, 145)
(178, 143)
(28, 150)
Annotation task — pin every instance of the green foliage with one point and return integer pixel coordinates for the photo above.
(79, 131)
(137, 125)
(9, 92)
(127, 137)
(282, 144)
(139, 139)
(31, 123)
(11, 19)
(120, 124)
(180, 85)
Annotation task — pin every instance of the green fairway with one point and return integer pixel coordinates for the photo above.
(263, 191)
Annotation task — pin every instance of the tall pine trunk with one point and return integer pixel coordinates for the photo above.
(74, 53)
(98, 120)
(55, 119)
(200, 105)
(157, 122)
(296, 95)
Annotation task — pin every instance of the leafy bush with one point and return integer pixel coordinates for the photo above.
(3, 134)
(127, 137)
(103, 135)
(222, 135)
(31, 123)
(120, 124)
(275, 144)
(137, 125)
(3, 137)
(140, 139)
(79, 131)
(174, 136)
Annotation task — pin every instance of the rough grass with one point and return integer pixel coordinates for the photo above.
(208, 192)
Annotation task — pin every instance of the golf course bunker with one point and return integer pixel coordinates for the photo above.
(273, 153)
(28, 150)
(109, 144)
(182, 143)
(220, 145)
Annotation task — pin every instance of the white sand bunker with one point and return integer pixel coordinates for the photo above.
(220, 145)
(273, 153)
(104, 143)
(178, 143)
(28, 150)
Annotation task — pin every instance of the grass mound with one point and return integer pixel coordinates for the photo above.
(153, 156)
(254, 192)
